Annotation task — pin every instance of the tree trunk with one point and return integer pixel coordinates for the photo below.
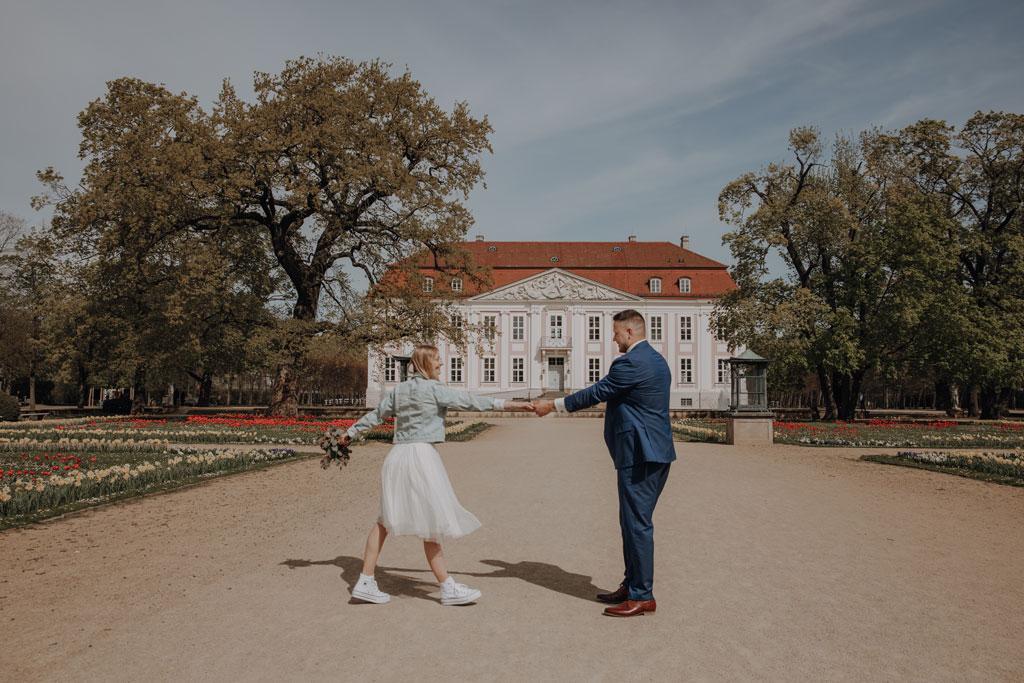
(205, 388)
(993, 402)
(943, 395)
(845, 391)
(32, 390)
(139, 402)
(974, 409)
(285, 400)
(231, 379)
(82, 377)
(827, 394)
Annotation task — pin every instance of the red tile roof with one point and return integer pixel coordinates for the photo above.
(627, 266)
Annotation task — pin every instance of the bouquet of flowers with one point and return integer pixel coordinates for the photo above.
(333, 444)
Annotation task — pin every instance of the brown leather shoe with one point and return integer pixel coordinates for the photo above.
(619, 595)
(631, 608)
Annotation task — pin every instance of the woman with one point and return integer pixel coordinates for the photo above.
(416, 496)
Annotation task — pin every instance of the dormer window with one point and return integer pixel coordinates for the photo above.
(655, 284)
(428, 284)
(492, 248)
(554, 259)
(684, 285)
(457, 284)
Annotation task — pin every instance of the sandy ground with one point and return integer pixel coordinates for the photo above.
(781, 563)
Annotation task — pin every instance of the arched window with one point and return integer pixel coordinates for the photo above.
(655, 284)
(428, 284)
(554, 259)
(684, 285)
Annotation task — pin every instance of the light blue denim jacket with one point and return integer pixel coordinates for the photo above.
(419, 406)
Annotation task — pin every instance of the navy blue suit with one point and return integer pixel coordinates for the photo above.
(639, 437)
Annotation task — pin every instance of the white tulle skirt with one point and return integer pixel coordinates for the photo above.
(416, 498)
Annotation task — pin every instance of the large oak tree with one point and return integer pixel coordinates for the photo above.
(860, 247)
(333, 163)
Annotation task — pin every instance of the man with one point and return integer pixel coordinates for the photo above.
(639, 438)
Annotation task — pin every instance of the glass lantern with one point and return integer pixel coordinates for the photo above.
(749, 377)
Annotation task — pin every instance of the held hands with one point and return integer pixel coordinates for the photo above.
(519, 405)
(542, 407)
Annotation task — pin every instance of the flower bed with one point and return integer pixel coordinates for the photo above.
(35, 485)
(884, 433)
(1004, 468)
(142, 434)
(702, 431)
(46, 471)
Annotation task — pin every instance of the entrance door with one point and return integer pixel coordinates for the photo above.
(556, 373)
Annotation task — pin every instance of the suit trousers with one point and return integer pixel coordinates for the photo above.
(639, 489)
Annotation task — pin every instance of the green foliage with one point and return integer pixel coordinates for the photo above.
(9, 408)
(976, 176)
(333, 162)
(898, 253)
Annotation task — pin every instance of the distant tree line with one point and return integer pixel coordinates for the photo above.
(903, 255)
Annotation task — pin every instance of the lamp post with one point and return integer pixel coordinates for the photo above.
(749, 421)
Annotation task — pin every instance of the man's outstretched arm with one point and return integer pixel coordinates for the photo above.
(620, 378)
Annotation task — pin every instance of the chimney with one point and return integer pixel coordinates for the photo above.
(684, 241)
(632, 238)
(479, 238)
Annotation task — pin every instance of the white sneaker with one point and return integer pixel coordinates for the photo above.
(457, 593)
(366, 589)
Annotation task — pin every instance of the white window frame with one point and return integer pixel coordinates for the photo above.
(655, 284)
(594, 328)
(556, 331)
(686, 370)
(490, 323)
(428, 284)
(684, 285)
(457, 321)
(723, 371)
(593, 370)
(490, 374)
(518, 327)
(455, 370)
(656, 331)
(457, 284)
(390, 369)
(686, 328)
(518, 370)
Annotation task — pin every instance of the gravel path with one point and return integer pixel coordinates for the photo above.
(778, 563)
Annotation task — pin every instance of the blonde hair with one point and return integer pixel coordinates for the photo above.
(422, 360)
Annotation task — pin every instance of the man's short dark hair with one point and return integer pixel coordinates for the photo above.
(633, 319)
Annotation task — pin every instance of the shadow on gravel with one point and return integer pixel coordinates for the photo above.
(541, 574)
(549, 576)
(389, 582)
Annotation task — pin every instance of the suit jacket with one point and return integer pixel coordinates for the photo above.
(636, 423)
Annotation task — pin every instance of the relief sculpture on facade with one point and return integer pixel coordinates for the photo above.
(557, 286)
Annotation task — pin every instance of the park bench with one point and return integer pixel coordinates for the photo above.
(34, 415)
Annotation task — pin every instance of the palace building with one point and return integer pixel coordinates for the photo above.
(547, 319)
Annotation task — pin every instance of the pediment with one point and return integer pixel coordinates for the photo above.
(556, 285)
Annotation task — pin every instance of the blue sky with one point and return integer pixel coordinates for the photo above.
(611, 119)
